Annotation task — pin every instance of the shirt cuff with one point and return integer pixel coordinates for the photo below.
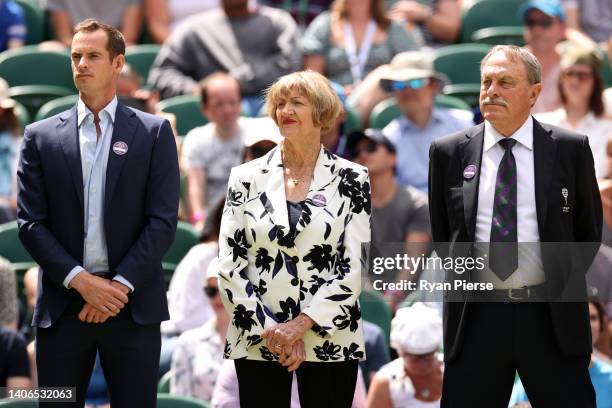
(71, 275)
(121, 279)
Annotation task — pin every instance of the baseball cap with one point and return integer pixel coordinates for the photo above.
(551, 8)
(376, 135)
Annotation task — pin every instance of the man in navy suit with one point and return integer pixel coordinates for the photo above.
(97, 209)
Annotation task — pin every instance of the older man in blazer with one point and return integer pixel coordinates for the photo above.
(97, 209)
(510, 180)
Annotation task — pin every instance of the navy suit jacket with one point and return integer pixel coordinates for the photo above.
(140, 208)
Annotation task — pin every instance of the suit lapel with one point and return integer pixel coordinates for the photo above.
(271, 181)
(68, 134)
(320, 194)
(472, 155)
(544, 151)
(123, 131)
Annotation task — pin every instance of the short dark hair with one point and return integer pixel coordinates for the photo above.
(115, 43)
(204, 84)
(601, 312)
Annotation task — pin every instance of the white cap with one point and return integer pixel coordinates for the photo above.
(261, 129)
(213, 268)
(416, 329)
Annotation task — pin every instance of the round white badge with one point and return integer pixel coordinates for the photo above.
(120, 148)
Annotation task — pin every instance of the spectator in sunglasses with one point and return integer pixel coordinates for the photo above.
(198, 355)
(413, 82)
(544, 28)
(580, 89)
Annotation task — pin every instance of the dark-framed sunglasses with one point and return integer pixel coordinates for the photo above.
(581, 76)
(414, 84)
(542, 22)
(211, 291)
(368, 147)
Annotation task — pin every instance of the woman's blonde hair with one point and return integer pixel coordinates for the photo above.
(378, 12)
(326, 105)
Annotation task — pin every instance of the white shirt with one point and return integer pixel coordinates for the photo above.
(598, 130)
(530, 271)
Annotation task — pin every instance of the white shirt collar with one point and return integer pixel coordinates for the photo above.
(524, 135)
(83, 110)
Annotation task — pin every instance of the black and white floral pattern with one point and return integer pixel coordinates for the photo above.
(270, 273)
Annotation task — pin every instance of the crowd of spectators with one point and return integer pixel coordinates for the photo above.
(226, 53)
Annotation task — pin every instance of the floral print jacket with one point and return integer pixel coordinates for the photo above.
(269, 274)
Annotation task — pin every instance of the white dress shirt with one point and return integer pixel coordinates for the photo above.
(530, 271)
(94, 159)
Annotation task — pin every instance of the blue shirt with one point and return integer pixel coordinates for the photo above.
(601, 377)
(412, 143)
(12, 23)
(94, 159)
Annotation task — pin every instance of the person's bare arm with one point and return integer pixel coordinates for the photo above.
(62, 26)
(315, 63)
(18, 382)
(378, 394)
(131, 24)
(15, 43)
(444, 22)
(196, 191)
(158, 19)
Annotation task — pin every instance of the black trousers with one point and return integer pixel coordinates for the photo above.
(267, 384)
(129, 355)
(501, 338)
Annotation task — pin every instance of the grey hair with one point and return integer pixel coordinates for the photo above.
(514, 53)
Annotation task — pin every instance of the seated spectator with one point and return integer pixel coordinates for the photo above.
(414, 379)
(377, 351)
(591, 17)
(544, 28)
(225, 394)
(10, 132)
(164, 16)
(352, 39)
(126, 15)
(131, 93)
(255, 46)
(14, 364)
(198, 354)
(334, 138)
(599, 368)
(580, 89)
(415, 85)
(439, 20)
(302, 11)
(8, 295)
(13, 30)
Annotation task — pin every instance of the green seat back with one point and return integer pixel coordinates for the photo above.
(35, 21)
(187, 109)
(461, 62)
(10, 245)
(141, 57)
(163, 386)
(512, 35)
(19, 403)
(55, 106)
(490, 13)
(22, 114)
(33, 97)
(30, 66)
(175, 401)
(375, 309)
(186, 237)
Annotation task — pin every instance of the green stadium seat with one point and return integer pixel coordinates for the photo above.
(31, 66)
(175, 401)
(141, 57)
(22, 114)
(512, 35)
(375, 309)
(56, 106)
(163, 386)
(10, 246)
(384, 112)
(606, 70)
(33, 97)
(19, 403)
(35, 21)
(490, 13)
(187, 109)
(186, 237)
(353, 120)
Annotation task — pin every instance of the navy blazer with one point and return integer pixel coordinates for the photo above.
(140, 208)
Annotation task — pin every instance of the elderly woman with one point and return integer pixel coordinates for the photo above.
(353, 38)
(289, 257)
(414, 380)
(581, 91)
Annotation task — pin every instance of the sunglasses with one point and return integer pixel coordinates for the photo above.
(369, 147)
(211, 291)
(543, 22)
(414, 84)
(581, 76)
